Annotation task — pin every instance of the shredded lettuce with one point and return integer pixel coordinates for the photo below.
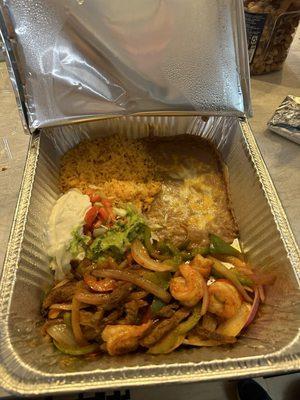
(115, 241)
(78, 244)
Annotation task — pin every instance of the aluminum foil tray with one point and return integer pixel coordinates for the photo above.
(29, 365)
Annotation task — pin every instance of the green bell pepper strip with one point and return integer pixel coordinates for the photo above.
(184, 256)
(157, 305)
(147, 240)
(184, 245)
(67, 319)
(174, 339)
(203, 251)
(164, 278)
(245, 280)
(150, 247)
(219, 246)
(191, 322)
(220, 270)
(175, 261)
(169, 252)
(161, 279)
(190, 255)
(172, 248)
(167, 248)
(77, 351)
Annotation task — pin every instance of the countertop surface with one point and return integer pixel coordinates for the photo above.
(282, 158)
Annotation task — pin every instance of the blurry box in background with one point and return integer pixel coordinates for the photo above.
(270, 25)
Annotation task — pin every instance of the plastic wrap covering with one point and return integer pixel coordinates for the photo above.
(83, 60)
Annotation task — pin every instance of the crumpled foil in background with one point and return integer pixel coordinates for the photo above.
(286, 120)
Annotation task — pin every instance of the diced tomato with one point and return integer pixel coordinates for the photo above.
(111, 217)
(95, 197)
(89, 192)
(91, 216)
(96, 215)
(97, 224)
(104, 215)
(106, 203)
(108, 207)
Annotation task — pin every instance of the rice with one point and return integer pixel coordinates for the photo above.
(121, 168)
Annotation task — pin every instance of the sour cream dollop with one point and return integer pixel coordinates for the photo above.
(67, 214)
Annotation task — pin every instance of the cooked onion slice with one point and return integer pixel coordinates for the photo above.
(64, 340)
(95, 299)
(75, 319)
(136, 280)
(61, 306)
(105, 285)
(61, 283)
(205, 299)
(141, 256)
(196, 341)
(254, 308)
(234, 325)
(53, 314)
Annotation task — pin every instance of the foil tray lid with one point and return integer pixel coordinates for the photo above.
(79, 60)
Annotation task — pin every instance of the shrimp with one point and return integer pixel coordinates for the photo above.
(122, 339)
(224, 299)
(188, 288)
(203, 265)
